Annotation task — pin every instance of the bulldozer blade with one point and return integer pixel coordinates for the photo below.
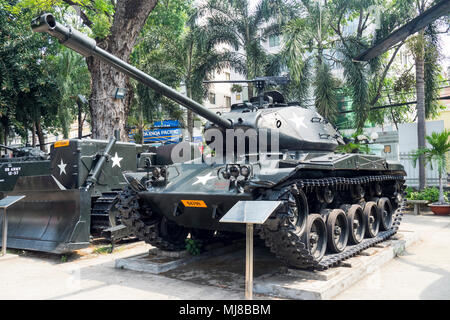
(50, 218)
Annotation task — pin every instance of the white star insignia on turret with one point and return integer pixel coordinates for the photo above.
(298, 121)
(116, 160)
(62, 167)
(203, 180)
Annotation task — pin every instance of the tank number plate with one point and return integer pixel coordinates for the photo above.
(62, 143)
(194, 203)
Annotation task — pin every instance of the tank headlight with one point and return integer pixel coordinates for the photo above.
(245, 171)
(164, 172)
(156, 172)
(234, 171)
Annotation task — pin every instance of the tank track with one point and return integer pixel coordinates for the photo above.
(100, 211)
(288, 246)
(148, 231)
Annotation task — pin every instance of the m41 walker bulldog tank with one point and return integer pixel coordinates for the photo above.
(333, 205)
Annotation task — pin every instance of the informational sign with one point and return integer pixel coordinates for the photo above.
(166, 136)
(163, 136)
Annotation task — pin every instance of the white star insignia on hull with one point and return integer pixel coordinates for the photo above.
(62, 167)
(203, 180)
(116, 160)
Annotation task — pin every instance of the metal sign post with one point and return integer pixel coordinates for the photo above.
(4, 204)
(249, 262)
(250, 213)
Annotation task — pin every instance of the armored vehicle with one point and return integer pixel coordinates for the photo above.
(330, 205)
(70, 194)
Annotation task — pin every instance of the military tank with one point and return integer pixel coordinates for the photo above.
(332, 205)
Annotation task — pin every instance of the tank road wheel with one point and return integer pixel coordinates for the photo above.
(356, 224)
(328, 195)
(358, 191)
(298, 210)
(372, 219)
(377, 190)
(385, 210)
(284, 236)
(315, 236)
(337, 231)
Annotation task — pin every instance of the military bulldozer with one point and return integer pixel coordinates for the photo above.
(324, 206)
(70, 194)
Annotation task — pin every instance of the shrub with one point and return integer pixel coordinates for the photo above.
(429, 194)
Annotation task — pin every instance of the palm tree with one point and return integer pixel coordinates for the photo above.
(234, 23)
(73, 78)
(437, 153)
(199, 58)
(425, 48)
(177, 55)
(307, 43)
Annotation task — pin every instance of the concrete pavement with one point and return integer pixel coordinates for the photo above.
(422, 272)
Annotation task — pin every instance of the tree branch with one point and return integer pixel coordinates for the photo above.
(81, 13)
(380, 85)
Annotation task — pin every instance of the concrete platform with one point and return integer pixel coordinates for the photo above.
(157, 261)
(8, 256)
(225, 268)
(322, 285)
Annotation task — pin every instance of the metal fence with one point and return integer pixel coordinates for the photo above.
(412, 178)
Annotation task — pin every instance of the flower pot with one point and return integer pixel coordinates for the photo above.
(440, 209)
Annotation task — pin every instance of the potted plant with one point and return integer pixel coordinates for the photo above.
(437, 153)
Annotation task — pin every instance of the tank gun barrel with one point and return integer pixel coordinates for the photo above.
(86, 46)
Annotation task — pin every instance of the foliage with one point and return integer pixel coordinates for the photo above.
(97, 15)
(73, 79)
(155, 54)
(437, 153)
(29, 92)
(233, 23)
(353, 145)
(193, 246)
(321, 36)
(398, 89)
(429, 194)
(175, 49)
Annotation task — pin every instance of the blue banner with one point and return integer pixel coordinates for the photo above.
(166, 136)
(166, 124)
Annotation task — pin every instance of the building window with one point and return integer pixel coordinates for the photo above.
(238, 96)
(212, 98)
(274, 41)
(227, 102)
(227, 76)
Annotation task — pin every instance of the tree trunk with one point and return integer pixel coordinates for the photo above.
(190, 117)
(420, 90)
(107, 113)
(33, 136)
(441, 189)
(40, 135)
(80, 119)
